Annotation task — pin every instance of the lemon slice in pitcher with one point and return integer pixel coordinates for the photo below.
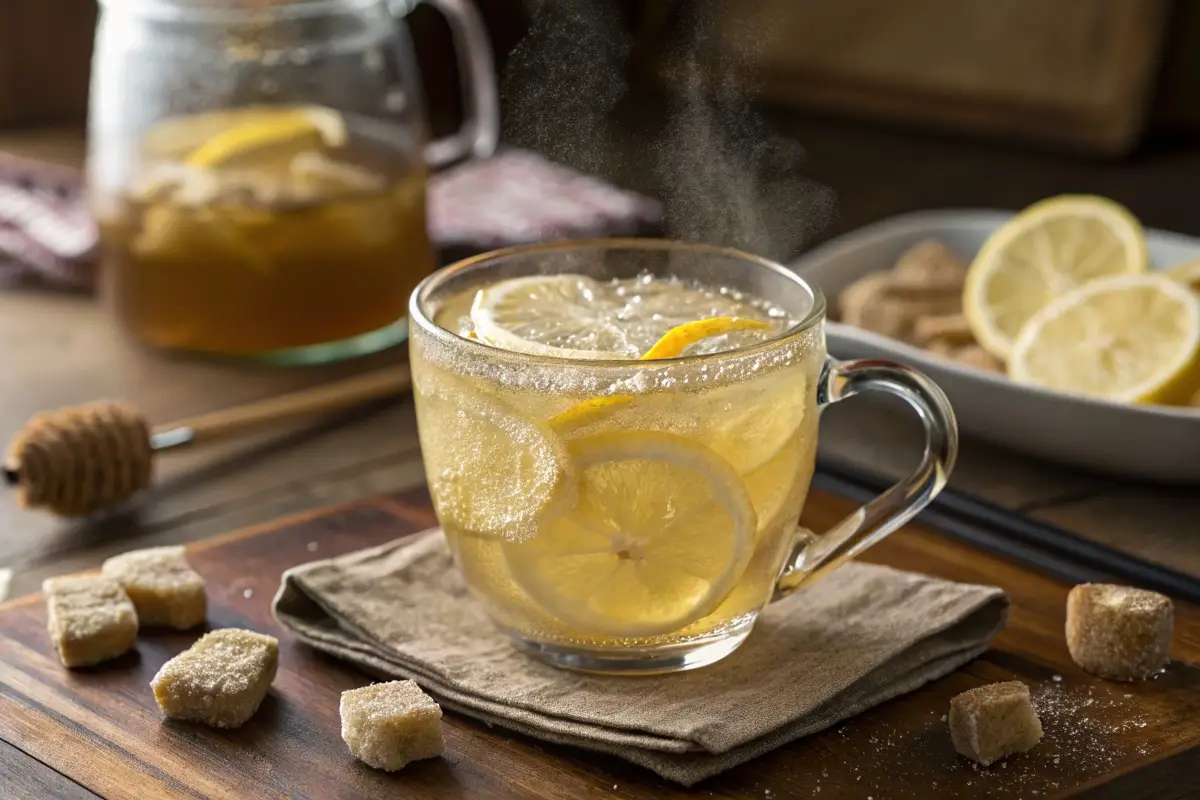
(1042, 253)
(661, 533)
(311, 127)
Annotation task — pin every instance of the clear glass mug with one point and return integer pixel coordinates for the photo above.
(636, 516)
(258, 170)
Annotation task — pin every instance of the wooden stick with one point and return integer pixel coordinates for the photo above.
(321, 399)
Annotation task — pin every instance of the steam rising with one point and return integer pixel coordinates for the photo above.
(723, 175)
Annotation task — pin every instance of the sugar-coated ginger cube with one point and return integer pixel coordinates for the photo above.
(1119, 632)
(990, 722)
(90, 619)
(388, 725)
(162, 585)
(220, 680)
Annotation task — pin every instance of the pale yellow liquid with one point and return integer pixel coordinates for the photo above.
(755, 410)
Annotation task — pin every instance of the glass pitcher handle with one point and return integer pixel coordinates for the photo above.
(480, 132)
(817, 555)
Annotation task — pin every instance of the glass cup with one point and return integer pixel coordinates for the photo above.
(636, 516)
(258, 170)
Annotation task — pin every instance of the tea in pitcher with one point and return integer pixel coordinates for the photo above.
(266, 228)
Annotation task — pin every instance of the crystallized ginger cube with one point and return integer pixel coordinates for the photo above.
(220, 680)
(990, 722)
(90, 619)
(387, 725)
(1119, 632)
(162, 585)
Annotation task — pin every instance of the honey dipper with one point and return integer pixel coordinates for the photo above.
(82, 459)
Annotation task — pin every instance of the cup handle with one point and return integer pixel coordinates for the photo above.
(480, 132)
(815, 556)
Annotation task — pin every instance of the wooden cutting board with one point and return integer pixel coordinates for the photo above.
(99, 727)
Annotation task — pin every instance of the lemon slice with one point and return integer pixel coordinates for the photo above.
(265, 126)
(1188, 273)
(662, 532)
(575, 316)
(490, 471)
(1042, 253)
(1133, 339)
(539, 314)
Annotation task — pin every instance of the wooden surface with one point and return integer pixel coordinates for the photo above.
(1095, 731)
(1072, 74)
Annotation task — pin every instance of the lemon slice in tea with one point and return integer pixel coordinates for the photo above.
(491, 472)
(662, 531)
(575, 316)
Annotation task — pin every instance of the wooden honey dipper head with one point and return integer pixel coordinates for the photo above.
(79, 460)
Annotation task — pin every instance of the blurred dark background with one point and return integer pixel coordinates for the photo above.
(898, 105)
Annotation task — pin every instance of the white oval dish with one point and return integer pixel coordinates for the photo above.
(1150, 443)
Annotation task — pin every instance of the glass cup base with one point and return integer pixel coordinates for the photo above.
(699, 652)
(341, 350)
(311, 355)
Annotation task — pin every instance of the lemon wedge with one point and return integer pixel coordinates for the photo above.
(661, 533)
(491, 472)
(681, 337)
(1133, 339)
(266, 126)
(1042, 253)
(672, 343)
(1187, 273)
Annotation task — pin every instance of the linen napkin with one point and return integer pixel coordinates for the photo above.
(862, 635)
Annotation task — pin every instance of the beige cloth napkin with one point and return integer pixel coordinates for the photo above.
(861, 636)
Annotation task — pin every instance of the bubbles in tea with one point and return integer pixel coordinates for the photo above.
(610, 497)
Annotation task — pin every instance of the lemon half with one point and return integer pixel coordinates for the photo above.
(1133, 339)
(1044, 252)
(661, 533)
(1187, 273)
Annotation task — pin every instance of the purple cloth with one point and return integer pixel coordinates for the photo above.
(47, 236)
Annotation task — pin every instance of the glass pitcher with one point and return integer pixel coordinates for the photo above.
(258, 170)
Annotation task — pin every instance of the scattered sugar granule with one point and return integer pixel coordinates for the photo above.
(164, 588)
(220, 680)
(389, 725)
(1118, 632)
(90, 619)
(990, 722)
(247, 593)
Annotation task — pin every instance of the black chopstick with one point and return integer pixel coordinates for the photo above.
(1046, 548)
